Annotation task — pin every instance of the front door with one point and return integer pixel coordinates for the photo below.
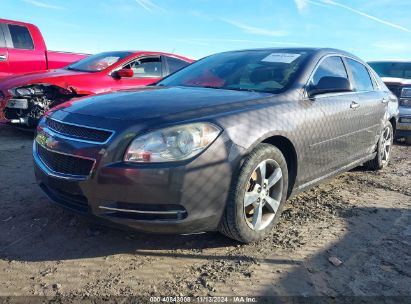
(330, 124)
(146, 70)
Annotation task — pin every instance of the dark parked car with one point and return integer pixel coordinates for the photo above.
(219, 145)
(397, 77)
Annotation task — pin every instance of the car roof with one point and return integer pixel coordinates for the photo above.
(16, 22)
(313, 50)
(140, 52)
(392, 60)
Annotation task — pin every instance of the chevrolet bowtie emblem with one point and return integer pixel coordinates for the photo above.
(46, 141)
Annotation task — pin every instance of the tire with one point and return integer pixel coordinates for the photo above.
(408, 140)
(241, 222)
(382, 158)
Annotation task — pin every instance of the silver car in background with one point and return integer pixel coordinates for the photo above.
(396, 75)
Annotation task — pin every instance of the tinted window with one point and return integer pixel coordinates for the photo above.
(259, 70)
(175, 64)
(361, 76)
(392, 69)
(21, 37)
(146, 67)
(330, 67)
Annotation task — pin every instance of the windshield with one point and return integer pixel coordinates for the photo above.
(392, 69)
(98, 62)
(261, 70)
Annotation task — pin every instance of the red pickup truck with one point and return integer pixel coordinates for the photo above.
(23, 50)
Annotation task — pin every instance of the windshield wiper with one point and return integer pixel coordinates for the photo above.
(251, 90)
(240, 89)
(78, 70)
(211, 87)
(200, 86)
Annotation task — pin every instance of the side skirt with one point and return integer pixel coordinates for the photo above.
(330, 175)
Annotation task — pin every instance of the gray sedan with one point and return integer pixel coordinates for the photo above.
(219, 145)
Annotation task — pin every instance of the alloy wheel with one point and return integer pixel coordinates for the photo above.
(263, 194)
(386, 143)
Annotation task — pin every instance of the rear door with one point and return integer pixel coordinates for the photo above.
(23, 55)
(4, 54)
(371, 107)
(330, 126)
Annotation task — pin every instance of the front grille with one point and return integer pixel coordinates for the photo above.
(406, 93)
(405, 103)
(65, 164)
(74, 202)
(78, 132)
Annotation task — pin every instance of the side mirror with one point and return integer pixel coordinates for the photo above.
(124, 73)
(330, 84)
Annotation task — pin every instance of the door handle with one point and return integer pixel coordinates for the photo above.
(385, 100)
(3, 57)
(354, 105)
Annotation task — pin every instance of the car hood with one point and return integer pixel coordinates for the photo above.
(57, 77)
(160, 102)
(401, 81)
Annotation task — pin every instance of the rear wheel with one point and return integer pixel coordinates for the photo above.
(408, 140)
(258, 195)
(384, 146)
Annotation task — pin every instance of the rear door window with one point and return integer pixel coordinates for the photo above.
(21, 37)
(330, 67)
(360, 75)
(175, 64)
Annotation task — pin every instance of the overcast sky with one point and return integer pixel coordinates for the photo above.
(370, 29)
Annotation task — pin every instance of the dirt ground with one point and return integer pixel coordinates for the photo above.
(362, 218)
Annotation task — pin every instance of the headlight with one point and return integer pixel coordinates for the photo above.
(405, 102)
(23, 92)
(172, 144)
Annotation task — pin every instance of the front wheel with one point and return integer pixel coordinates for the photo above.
(258, 195)
(384, 146)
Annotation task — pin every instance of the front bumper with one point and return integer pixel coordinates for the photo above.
(184, 197)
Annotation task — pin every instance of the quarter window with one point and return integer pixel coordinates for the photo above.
(361, 76)
(21, 37)
(330, 67)
(175, 64)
